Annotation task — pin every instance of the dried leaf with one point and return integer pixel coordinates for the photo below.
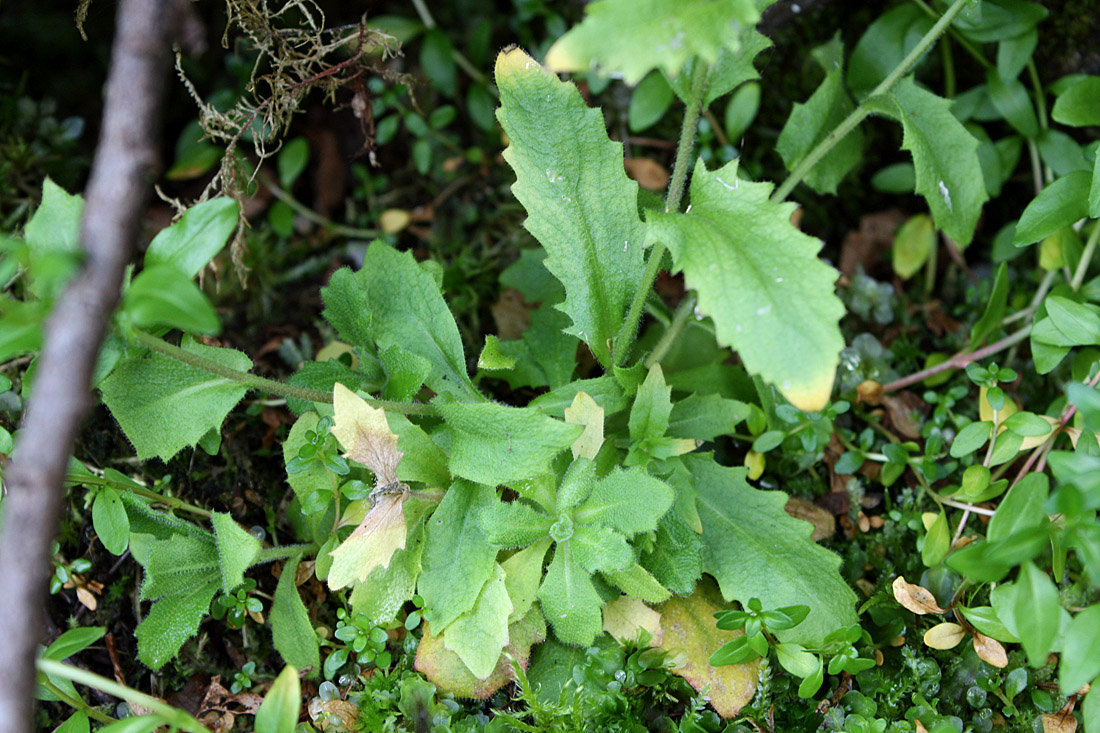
(366, 436)
(990, 651)
(647, 172)
(824, 523)
(373, 542)
(1061, 722)
(944, 636)
(624, 617)
(86, 598)
(917, 599)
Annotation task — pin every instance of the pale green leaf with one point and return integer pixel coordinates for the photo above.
(809, 124)
(945, 156)
(1036, 611)
(165, 296)
(192, 242)
(479, 635)
(580, 205)
(652, 407)
(1079, 105)
(373, 543)
(1021, 508)
(754, 549)
(386, 590)
(1081, 651)
(523, 575)
(637, 582)
(110, 521)
(164, 405)
(760, 280)
(55, 225)
(632, 37)
(1058, 205)
(514, 524)
(1094, 191)
(914, 243)
(237, 550)
(178, 564)
(705, 417)
(497, 444)
(458, 558)
(278, 712)
(569, 599)
(73, 641)
(135, 724)
(492, 357)
(315, 476)
(171, 621)
(600, 549)
(630, 501)
(76, 723)
(423, 460)
(291, 630)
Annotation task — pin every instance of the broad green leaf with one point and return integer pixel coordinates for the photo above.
(423, 460)
(629, 501)
(577, 484)
(985, 620)
(652, 406)
(75, 723)
(192, 242)
(760, 280)
(569, 599)
(883, 45)
(948, 173)
(110, 521)
(291, 630)
(73, 641)
(171, 621)
(135, 723)
(675, 557)
(278, 712)
(1081, 651)
(55, 225)
(914, 243)
(1077, 322)
(994, 309)
(632, 37)
(1012, 101)
(754, 549)
(164, 405)
(514, 524)
(1014, 53)
(1059, 205)
(160, 525)
(809, 124)
(1077, 106)
(1000, 19)
(496, 444)
(741, 111)
(405, 373)
(705, 417)
(178, 564)
(21, 325)
(1037, 612)
(1094, 195)
(165, 296)
(690, 638)
(649, 102)
(1061, 152)
(315, 477)
(637, 582)
(580, 205)
(1090, 709)
(523, 572)
(937, 541)
(492, 357)
(237, 550)
(730, 70)
(346, 309)
(458, 558)
(479, 635)
(600, 549)
(437, 62)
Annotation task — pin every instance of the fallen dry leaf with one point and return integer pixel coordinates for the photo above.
(647, 172)
(917, 599)
(625, 617)
(944, 636)
(990, 650)
(511, 314)
(824, 523)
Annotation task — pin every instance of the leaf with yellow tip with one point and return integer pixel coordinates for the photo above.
(632, 37)
(373, 542)
(365, 435)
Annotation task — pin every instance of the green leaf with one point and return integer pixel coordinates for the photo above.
(159, 525)
(192, 242)
(631, 37)
(580, 205)
(55, 225)
(492, 357)
(883, 45)
(756, 550)
(637, 582)
(1080, 651)
(1001, 19)
(809, 124)
(395, 302)
(278, 712)
(135, 724)
(936, 542)
(629, 501)
(652, 405)
(110, 521)
(496, 444)
(479, 635)
(1014, 53)
(1090, 708)
(458, 558)
(164, 405)
(741, 110)
(237, 550)
(1077, 322)
(569, 599)
(649, 102)
(291, 631)
(76, 723)
(1059, 205)
(405, 373)
(1094, 197)
(73, 641)
(759, 278)
(165, 296)
(292, 160)
(437, 62)
(1037, 612)
(676, 556)
(423, 460)
(1012, 101)
(945, 156)
(386, 590)
(730, 70)
(178, 564)
(705, 417)
(971, 438)
(1021, 508)
(914, 243)
(315, 476)
(1077, 106)
(171, 621)
(994, 309)
(515, 524)
(523, 575)
(985, 620)
(600, 549)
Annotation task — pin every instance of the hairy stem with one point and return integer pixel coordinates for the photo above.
(850, 122)
(672, 203)
(282, 552)
(268, 385)
(76, 479)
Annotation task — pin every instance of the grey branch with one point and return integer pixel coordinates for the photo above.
(120, 181)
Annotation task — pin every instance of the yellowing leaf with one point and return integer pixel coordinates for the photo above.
(990, 651)
(913, 244)
(690, 637)
(365, 435)
(625, 617)
(373, 542)
(944, 636)
(917, 599)
(584, 411)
